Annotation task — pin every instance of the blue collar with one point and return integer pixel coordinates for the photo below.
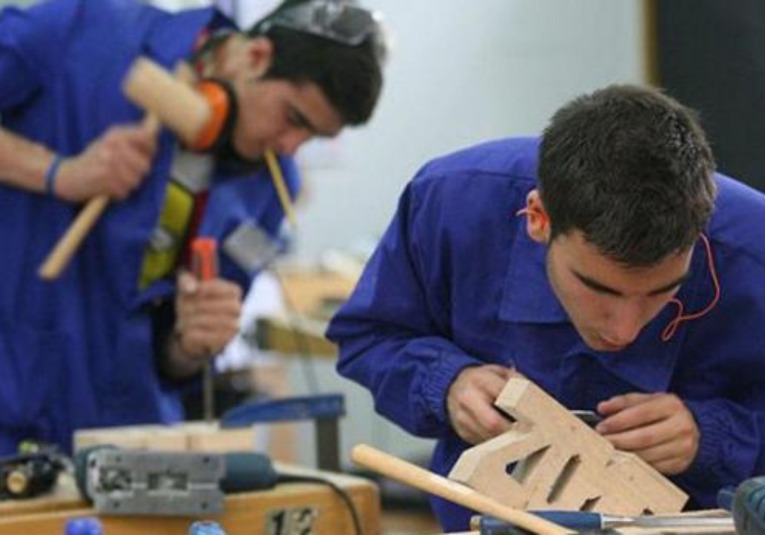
(528, 297)
(174, 37)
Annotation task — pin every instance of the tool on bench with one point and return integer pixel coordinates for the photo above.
(746, 504)
(142, 482)
(585, 520)
(204, 264)
(30, 473)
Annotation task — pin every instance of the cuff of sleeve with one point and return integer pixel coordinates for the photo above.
(443, 372)
(713, 431)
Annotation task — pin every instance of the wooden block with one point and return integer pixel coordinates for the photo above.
(188, 436)
(157, 437)
(208, 437)
(295, 335)
(552, 460)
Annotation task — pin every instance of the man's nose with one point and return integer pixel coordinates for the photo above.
(625, 324)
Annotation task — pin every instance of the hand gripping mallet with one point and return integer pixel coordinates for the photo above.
(168, 101)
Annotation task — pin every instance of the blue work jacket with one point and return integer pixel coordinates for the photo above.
(457, 282)
(78, 352)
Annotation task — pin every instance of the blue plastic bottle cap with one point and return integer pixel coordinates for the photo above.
(206, 528)
(84, 526)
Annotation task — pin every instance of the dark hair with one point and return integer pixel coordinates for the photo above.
(631, 168)
(349, 76)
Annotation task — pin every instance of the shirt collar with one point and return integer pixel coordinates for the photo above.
(175, 37)
(528, 296)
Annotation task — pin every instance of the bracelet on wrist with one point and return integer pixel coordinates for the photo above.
(50, 176)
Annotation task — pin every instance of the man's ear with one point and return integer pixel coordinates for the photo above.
(537, 222)
(260, 55)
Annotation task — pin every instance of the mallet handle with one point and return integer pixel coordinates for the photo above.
(68, 244)
(417, 477)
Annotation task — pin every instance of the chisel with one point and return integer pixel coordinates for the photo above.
(204, 263)
(583, 520)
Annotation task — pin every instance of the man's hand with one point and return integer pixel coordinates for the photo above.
(113, 165)
(207, 318)
(470, 402)
(657, 427)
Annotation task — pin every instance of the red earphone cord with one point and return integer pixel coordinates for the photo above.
(671, 328)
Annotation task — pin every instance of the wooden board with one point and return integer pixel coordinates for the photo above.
(189, 436)
(295, 335)
(552, 460)
(304, 504)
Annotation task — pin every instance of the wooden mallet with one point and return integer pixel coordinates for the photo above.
(417, 477)
(167, 101)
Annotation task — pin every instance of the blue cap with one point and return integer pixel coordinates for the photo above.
(84, 526)
(206, 528)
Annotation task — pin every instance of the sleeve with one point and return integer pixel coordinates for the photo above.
(723, 382)
(731, 447)
(393, 331)
(31, 40)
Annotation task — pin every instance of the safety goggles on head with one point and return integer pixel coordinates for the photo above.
(340, 21)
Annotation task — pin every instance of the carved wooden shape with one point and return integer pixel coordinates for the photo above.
(552, 460)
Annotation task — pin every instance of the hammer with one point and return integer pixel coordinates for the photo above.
(168, 101)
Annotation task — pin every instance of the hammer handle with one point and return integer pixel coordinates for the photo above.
(417, 477)
(68, 244)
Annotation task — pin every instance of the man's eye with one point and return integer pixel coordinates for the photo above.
(294, 119)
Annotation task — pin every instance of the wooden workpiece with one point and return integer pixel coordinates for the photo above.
(555, 461)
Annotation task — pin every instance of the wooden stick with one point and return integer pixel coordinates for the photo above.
(281, 187)
(68, 244)
(458, 493)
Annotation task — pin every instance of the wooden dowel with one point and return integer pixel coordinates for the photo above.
(417, 477)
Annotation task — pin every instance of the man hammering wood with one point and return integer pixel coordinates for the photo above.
(607, 262)
(116, 336)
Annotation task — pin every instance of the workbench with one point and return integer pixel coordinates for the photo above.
(293, 508)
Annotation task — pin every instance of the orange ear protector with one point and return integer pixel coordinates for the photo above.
(221, 99)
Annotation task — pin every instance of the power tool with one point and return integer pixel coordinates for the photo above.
(747, 505)
(143, 482)
(32, 472)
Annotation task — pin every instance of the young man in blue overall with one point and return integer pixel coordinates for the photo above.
(606, 262)
(111, 342)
